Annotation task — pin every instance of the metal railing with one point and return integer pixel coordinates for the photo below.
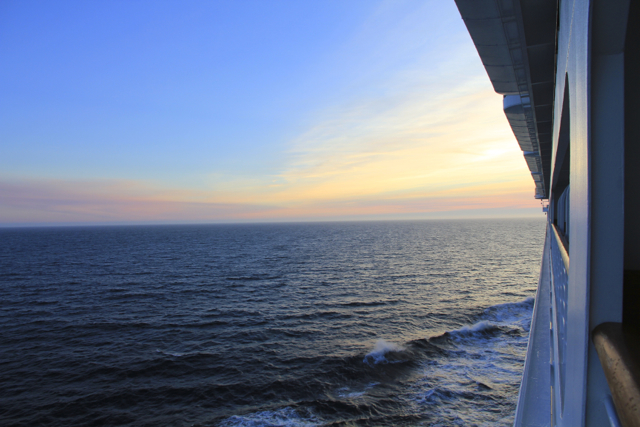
(560, 281)
(619, 352)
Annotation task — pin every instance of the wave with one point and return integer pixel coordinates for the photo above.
(482, 327)
(507, 310)
(481, 366)
(253, 277)
(369, 303)
(512, 314)
(444, 394)
(46, 302)
(120, 295)
(317, 314)
(381, 350)
(349, 393)
(282, 417)
(111, 326)
(497, 318)
(197, 324)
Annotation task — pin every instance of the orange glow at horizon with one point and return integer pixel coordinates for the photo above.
(426, 153)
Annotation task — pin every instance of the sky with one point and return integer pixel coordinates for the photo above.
(132, 111)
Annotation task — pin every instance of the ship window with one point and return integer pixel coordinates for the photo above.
(562, 209)
(561, 172)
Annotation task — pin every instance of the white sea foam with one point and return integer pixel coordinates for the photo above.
(377, 355)
(283, 417)
(483, 326)
(347, 392)
(516, 314)
(478, 367)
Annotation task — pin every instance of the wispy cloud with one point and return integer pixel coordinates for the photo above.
(44, 201)
(411, 127)
(430, 150)
(427, 141)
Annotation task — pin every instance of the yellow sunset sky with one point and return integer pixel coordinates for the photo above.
(386, 113)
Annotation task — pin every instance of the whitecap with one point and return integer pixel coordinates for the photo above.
(283, 417)
(480, 327)
(348, 393)
(377, 355)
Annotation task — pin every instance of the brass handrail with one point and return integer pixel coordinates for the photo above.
(619, 352)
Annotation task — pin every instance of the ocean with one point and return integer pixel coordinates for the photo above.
(302, 324)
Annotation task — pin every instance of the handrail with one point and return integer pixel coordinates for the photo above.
(563, 245)
(619, 352)
(535, 387)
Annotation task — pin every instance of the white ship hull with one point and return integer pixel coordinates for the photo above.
(568, 70)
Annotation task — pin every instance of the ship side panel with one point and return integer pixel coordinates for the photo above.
(575, 19)
(608, 25)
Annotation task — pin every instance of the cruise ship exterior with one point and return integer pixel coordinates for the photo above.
(569, 71)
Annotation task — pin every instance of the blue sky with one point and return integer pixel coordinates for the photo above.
(205, 111)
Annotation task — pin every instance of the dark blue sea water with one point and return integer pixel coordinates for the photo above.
(373, 323)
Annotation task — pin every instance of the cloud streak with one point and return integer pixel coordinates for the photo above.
(46, 201)
(409, 127)
(412, 154)
(427, 142)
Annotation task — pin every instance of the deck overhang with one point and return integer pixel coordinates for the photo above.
(516, 41)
